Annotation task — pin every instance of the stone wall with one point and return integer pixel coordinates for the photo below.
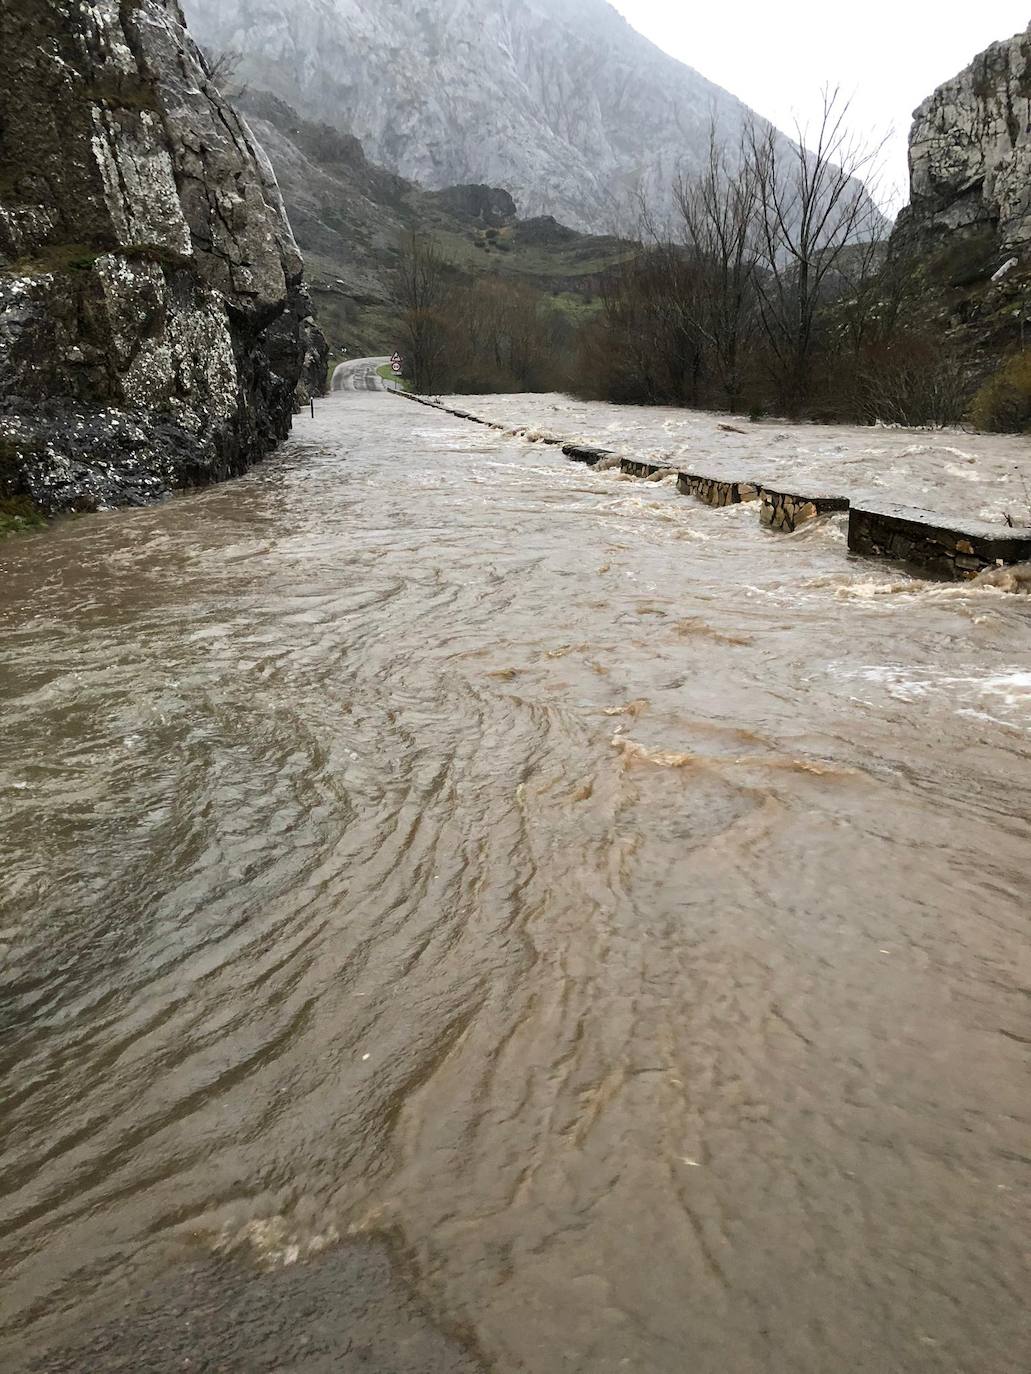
(586, 453)
(154, 327)
(715, 491)
(636, 467)
(957, 550)
(785, 511)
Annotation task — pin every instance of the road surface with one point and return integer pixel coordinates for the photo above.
(360, 374)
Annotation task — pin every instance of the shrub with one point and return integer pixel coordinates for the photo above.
(1003, 404)
(18, 514)
(908, 378)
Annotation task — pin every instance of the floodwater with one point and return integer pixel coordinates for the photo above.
(984, 476)
(623, 908)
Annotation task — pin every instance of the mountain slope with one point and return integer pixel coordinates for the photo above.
(350, 217)
(559, 101)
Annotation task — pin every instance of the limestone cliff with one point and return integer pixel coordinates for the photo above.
(154, 328)
(559, 101)
(970, 153)
(962, 247)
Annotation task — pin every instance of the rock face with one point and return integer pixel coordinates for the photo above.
(559, 101)
(486, 204)
(154, 328)
(970, 154)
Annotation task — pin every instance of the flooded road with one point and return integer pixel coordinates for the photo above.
(622, 908)
(362, 374)
(951, 472)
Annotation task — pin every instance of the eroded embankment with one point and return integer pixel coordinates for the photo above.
(954, 546)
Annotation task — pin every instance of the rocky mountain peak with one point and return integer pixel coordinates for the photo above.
(559, 101)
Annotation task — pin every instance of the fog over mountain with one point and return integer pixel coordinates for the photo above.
(559, 101)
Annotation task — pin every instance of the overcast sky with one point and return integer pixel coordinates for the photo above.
(775, 55)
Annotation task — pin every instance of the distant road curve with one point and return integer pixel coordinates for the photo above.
(360, 374)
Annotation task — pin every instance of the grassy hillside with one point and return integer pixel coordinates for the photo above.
(351, 216)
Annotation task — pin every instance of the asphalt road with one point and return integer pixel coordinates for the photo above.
(360, 374)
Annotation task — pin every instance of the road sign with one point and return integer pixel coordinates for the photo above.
(396, 358)
(398, 366)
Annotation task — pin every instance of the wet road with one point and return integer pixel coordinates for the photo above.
(623, 909)
(361, 374)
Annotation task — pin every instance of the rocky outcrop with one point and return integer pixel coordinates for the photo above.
(487, 205)
(960, 253)
(154, 327)
(559, 101)
(545, 229)
(970, 155)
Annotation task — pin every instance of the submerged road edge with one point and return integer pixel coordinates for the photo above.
(938, 545)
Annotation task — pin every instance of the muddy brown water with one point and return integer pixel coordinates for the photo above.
(623, 907)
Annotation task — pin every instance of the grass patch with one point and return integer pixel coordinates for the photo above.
(18, 515)
(62, 257)
(124, 91)
(578, 309)
(389, 375)
(156, 253)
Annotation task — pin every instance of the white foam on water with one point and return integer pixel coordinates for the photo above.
(967, 473)
(901, 682)
(275, 1242)
(1014, 688)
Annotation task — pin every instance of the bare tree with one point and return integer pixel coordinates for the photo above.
(719, 213)
(649, 344)
(421, 292)
(498, 336)
(223, 66)
(813, 206)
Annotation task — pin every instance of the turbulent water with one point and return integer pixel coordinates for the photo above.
(625, 908)
(979, 475)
